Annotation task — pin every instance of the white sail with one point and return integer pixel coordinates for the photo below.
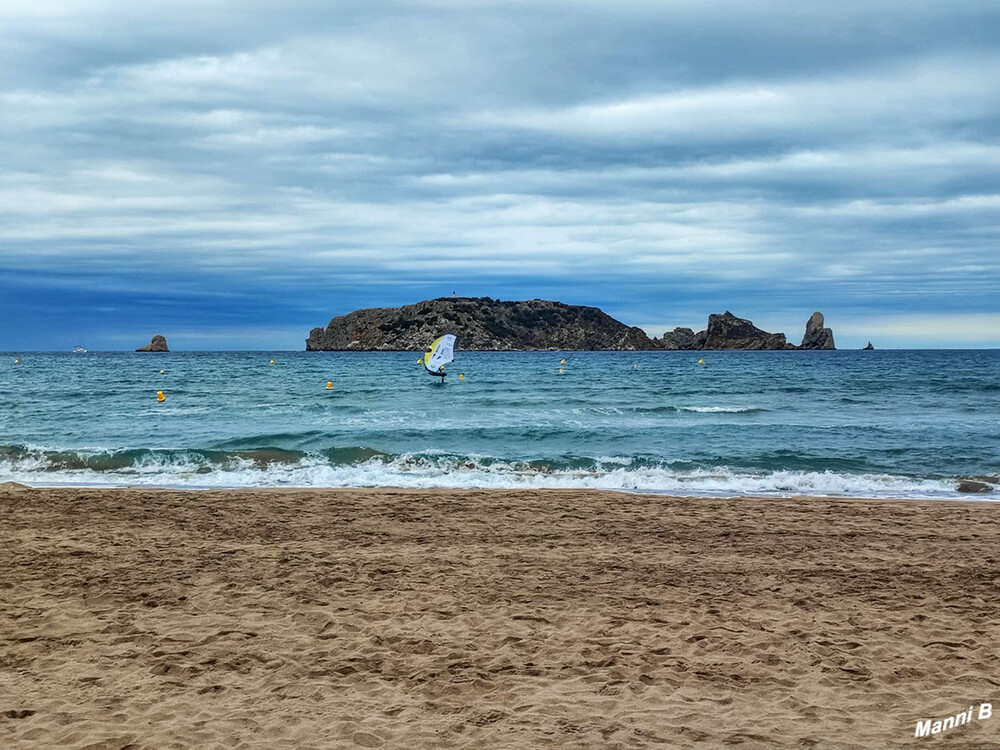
(440, 353)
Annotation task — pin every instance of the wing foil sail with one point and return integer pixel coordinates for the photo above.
(439, 353)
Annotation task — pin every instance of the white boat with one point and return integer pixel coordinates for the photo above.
(79, 350)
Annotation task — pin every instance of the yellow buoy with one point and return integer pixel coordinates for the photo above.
(329, 385)
(17, 361)
(635, 366)
(161, 372)
(461, 376)
(160, 396)
(701, 361)
(272, 361)
(562, 361)
(560, 371)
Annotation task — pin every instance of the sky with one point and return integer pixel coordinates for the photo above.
(232, 174)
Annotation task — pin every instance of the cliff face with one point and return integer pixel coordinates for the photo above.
(481, 323)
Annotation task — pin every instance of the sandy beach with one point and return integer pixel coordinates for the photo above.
(491, 619)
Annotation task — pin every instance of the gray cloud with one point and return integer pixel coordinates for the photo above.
(657, 158)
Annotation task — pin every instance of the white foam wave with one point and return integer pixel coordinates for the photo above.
(449, 472)
(720, 409)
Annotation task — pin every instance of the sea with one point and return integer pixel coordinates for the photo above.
(838, 423)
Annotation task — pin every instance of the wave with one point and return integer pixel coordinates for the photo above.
(360, 466)
(698, 409)
(722, 409)
(140, 460)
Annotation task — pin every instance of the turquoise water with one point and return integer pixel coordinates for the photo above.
(882, 423)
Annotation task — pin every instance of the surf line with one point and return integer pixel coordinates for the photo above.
(930, 726)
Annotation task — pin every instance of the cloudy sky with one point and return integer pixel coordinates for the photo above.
(234, 173)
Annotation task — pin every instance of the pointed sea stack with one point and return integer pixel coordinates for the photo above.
(158, 344)
(817, 337)
(868, 348)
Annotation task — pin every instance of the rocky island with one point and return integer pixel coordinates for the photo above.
(158, 344)
(724, 331)
(481, 324)
(486, 324)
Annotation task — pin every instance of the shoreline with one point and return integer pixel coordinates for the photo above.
(490, 618)
(972, 497)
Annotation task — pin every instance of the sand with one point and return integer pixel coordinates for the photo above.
(492, 619)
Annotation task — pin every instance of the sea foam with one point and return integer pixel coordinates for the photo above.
(365, 468)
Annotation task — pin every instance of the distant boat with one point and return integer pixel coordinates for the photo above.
(79, 350)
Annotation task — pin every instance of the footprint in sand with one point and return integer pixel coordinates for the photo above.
(23, 713)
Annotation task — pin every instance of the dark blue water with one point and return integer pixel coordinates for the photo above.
(882, 423)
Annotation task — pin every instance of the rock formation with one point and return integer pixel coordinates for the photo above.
(726, 331)
(158, 344)
(481, 323)
(682, 338)
(869, 347)
(817, 337)
(971, 487)
(486, 324)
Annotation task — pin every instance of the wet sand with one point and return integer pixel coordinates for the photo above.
(492, 619)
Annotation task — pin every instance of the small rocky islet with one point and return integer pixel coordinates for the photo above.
(158, 344)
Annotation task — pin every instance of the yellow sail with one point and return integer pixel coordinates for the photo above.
(439, 353)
